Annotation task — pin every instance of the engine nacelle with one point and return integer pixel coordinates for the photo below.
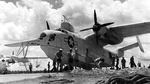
(112, 37)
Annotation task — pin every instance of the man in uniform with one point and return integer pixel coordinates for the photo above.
(54, 69)
(123, 62)
(132, 63)
(48, 66)
(30, 67)
(59, 56)
(70, 59)
(76, 58)
(117, 63)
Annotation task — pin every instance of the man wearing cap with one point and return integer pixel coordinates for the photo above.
(59, 55)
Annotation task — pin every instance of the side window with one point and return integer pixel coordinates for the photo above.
(52, 37)
(42, 36)
(64, 31)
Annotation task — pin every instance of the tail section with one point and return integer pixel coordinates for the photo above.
(137, 44)
(120, 52)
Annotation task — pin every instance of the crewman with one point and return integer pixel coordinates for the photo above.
(30, 67)
(123, 62)
(54, 69)
(117, 63)
(76, 58)
(113, 60)
(48, 66)
(132, 63)
(89, 60)
(59, 56)
(70, 59)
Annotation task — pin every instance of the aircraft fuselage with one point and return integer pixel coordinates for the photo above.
(51, 41)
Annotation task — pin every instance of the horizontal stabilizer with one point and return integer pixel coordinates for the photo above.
(129, 46)
(120, 51)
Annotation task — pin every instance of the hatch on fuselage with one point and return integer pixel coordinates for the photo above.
(67, 26)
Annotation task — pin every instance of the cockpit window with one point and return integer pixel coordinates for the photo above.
(62, 30)
(42, 36)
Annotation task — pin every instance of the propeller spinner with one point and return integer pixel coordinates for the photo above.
(97, 26)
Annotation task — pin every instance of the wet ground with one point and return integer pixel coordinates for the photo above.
(78, 76)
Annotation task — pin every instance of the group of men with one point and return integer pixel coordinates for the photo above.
(123, 63)
(72, 60)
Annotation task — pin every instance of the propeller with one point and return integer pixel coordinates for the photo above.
(48, 28)
(97, 26)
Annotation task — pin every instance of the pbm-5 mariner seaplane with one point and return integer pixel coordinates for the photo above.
(89, 48)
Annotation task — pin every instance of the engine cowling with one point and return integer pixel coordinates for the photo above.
(112, 37)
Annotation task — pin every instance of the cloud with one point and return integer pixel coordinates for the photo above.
(28, 16)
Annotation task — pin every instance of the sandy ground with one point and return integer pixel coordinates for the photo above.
(4, 78)
(49, 78)
(95, 76)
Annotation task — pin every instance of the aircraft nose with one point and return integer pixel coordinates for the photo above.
(42, 36)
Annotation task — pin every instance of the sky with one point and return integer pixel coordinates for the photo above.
(22, 20)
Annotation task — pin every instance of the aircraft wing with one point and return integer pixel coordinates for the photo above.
(35, 42)
(133, 29)
(37, 57)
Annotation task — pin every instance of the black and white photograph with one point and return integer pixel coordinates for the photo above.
(74, 41)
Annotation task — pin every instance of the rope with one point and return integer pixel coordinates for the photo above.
(134, 79)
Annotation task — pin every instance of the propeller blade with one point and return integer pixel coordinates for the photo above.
(96, 27)
(47, 25)
(95, 17)
(85, 29)
(106, 24)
